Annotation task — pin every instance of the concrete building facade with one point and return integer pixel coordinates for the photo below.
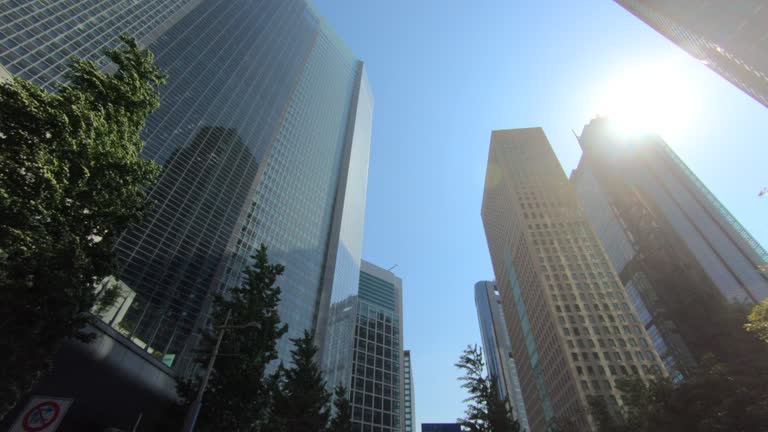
(573, 329)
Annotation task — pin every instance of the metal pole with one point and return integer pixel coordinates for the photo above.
(194, 408)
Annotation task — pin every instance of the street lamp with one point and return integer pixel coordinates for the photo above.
(194, 408)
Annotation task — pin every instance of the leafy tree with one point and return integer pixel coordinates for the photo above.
(342, 418)
(239, 393)
(758, 321)
(715, 397)
(486, 412)
(71, 180)
(302, 404)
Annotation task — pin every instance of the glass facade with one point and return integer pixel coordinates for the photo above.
(263, 134)
(409, 394)
(672, 240)
(497, 347)
(729, 37)
(377, 374)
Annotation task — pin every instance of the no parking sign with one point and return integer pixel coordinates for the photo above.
(42, 414)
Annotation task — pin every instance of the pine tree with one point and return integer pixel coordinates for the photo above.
(486, 412)
(342, 419)
(239, 394)
(71, 181)
(302, 404)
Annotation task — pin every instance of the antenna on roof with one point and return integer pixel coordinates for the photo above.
(390, 269)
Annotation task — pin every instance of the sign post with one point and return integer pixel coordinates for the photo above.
(42, 414)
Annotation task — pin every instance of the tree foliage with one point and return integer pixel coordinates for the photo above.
(302, 403)
(715, 398)
(239, 393)
(758, 321)
(486, 411)
(342, 418)
(71, 180)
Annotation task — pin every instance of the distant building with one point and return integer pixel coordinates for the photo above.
(731, 37)
(409, 394)
(498, 349)
(378, 395)
(679, 252)
(440, 427)
(574, 332)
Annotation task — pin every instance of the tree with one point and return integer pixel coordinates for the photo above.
(239, 394)
(758, 321)
(715, 397)
(342, 418)
(486, 411)
(71, 180)
(302, 403)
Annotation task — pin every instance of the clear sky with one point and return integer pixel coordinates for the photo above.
(444, 74)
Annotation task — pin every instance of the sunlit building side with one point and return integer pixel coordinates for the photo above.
(573, 330)
(730, 37)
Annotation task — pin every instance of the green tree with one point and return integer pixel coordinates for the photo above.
(71, 180)
(758, 321)
(715, 398)
(342, 418)
(486, 411)
(302, 403)
(239, 394)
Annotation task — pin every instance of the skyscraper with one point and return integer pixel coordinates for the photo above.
(377, 378)
(498, 350)
(728, 36)
(409, 394)
(263, 132)
(572, 327)
(680, 253)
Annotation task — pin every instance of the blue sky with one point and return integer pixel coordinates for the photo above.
(444, 74)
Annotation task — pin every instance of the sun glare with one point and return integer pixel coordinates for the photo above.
(651, 98)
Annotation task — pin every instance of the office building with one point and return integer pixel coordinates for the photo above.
(573, 329)
(409, 394)
(499, 360)
(728, 36)
(378, 395)
(263, 134)
(440, 427)
(679, 252)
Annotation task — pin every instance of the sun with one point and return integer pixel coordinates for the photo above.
(655, 98)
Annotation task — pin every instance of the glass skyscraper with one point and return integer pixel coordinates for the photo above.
(728, 36)
(573, 330)
(377, 392)
(263, 133)
(680, 253)
(498, 349)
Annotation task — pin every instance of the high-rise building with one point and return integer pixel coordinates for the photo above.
(571, 324)
(263, 133)
(679, 252)
(377, 373)
(409, 394)
(498, 349)
(728, 36)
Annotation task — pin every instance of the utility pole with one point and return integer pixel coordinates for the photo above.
(194, 408)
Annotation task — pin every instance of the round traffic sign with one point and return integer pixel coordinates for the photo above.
(41, 416)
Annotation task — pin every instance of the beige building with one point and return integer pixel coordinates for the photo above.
(574, 332)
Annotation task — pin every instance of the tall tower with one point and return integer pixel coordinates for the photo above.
(377, 379)
(263, 132)
(680, 253)
(409, 394)
(572, 327)
(498, 350)
(729, 37)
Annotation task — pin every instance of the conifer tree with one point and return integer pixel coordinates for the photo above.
(342, 418)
